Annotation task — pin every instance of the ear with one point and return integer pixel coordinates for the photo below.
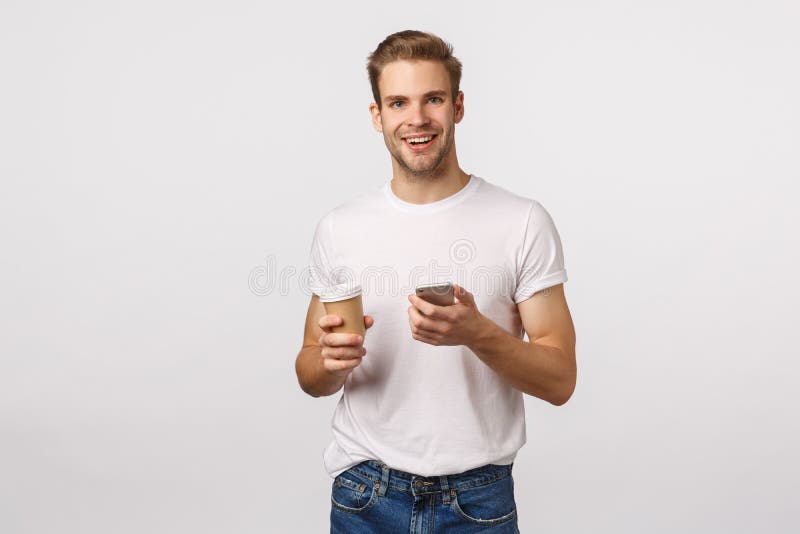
(376, 117)
(459, 107)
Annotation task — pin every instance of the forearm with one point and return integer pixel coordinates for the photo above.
(314, 379)
(539, 370)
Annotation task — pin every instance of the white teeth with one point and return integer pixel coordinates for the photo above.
(419, 139)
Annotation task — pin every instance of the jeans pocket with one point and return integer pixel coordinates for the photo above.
(489, 504)
(350, 493)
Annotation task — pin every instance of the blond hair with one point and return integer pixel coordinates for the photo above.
(411, 45)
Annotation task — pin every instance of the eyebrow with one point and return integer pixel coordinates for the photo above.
(429, 94)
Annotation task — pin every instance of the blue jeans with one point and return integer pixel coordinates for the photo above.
(371, 497)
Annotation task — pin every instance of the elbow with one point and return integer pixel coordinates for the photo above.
(565, 392)
(560, 400)
(302, 379)
(307, 390)
(311, 383)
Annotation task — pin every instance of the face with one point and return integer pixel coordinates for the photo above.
(418, 116)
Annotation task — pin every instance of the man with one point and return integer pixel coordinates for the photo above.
(432, 414)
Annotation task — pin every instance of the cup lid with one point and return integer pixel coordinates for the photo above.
(339, 292)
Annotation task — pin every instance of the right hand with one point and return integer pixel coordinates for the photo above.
(341, 353)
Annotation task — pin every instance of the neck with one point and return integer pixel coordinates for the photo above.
(426, 189)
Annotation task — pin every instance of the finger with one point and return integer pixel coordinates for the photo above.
(415, 319)
(463, 296)
(420, 323)
(426, 308)
(334, 365)
(344, 353)
(425, 338)
(328, 321)
(341, 340)
(368, 321)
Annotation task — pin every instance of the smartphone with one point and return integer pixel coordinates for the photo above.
(439, 294)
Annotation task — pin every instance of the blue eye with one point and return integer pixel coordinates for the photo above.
(395, 102)
(436, 98)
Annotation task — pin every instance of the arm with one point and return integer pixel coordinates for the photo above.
(326, 358)
(543, 367)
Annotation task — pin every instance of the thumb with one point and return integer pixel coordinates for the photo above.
(463, 296)
(368, 321)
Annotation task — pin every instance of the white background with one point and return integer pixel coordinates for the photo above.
(154, 154)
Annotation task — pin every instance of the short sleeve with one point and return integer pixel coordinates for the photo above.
(541, 258)
(321, 257)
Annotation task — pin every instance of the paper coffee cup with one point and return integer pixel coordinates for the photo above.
(344, 300)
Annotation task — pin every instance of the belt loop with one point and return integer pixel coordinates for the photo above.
(445, 489)
(384, 480)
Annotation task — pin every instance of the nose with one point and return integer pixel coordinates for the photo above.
(417, 116)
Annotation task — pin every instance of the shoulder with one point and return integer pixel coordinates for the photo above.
(354, 208)
(508, 202)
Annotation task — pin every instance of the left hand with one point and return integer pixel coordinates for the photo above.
(457, 324)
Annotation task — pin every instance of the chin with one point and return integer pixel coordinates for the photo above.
(425, 172)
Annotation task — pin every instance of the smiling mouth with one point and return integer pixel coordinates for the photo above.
(419, 143)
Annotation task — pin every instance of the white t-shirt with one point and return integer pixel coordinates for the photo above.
(432, 410)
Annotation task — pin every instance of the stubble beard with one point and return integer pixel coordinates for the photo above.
(433, 171)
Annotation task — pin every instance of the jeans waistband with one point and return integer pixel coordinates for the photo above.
(377, 472)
